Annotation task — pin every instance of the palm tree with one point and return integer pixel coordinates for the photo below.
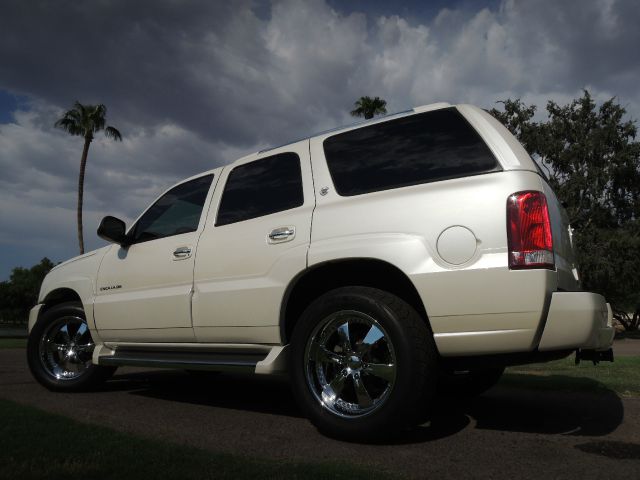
(367, 107)
(85, 120)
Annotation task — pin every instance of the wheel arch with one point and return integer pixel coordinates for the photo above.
(54, 297)
(323, 277)
(58, 296)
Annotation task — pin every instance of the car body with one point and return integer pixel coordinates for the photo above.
(218, 272)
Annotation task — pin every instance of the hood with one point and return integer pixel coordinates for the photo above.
(75, 259)
(77, 273)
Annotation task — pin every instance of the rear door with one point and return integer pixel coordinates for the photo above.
(255, 241)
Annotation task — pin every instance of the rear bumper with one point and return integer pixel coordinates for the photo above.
(577, 320)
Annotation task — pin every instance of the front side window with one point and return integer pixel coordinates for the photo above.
(416, 149)
(262, 187)
(177, 211)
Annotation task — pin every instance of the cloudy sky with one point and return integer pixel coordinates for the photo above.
(195, 84)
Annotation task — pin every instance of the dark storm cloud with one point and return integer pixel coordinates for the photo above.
(214, 68)
(142, 59)
(206, 66)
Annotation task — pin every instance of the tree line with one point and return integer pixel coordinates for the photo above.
(20, 292)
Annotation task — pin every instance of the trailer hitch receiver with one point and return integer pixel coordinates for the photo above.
(596, 356)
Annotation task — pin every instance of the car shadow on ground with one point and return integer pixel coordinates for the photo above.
(254, 393)
(534, 409)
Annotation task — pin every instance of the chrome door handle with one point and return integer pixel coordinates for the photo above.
(181, 253)
(282, 234)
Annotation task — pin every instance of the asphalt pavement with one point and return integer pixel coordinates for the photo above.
(625, 347)
(506, 433)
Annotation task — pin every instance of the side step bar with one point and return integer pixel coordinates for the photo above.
(184, 360)
(260, 359)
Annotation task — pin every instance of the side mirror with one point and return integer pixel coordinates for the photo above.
(113, 230)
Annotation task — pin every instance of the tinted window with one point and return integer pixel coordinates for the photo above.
(417, 149)
(177, 211)
(262, 187)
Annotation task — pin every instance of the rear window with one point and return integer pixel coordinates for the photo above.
(262, 187)
(421, 148)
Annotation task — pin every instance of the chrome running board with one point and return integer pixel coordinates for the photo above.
(260, 359)
(184, 360)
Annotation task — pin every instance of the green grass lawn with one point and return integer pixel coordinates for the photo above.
(622, 376)
(36, 444)
(13, 342)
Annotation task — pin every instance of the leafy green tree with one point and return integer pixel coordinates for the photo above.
(368, 107)
(592, 159)
(610, 264)
(20, 292)
(85, 121)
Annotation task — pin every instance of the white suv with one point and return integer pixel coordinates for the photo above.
(376, 264)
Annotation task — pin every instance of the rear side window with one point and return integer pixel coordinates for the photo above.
(421, 148)
(265, 186)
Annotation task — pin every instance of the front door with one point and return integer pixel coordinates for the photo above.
(144, 290)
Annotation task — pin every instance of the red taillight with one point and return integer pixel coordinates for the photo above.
(529, 231)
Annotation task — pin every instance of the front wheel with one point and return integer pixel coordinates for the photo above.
(60, 348)
(363, 363)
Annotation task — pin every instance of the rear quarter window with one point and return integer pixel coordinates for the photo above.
(417, 149)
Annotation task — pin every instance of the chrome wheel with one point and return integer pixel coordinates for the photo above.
(65, 348)
(350, 364)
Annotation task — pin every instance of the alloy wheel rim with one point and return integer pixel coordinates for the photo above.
(66, 348)
(350, 364)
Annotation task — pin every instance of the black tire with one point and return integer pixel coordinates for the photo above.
(469, 383)
(42, 364)
(406, 334)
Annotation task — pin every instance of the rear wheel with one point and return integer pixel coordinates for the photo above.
(60, 348)
(363, 363)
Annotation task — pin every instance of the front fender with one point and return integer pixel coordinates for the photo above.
(79, 275)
